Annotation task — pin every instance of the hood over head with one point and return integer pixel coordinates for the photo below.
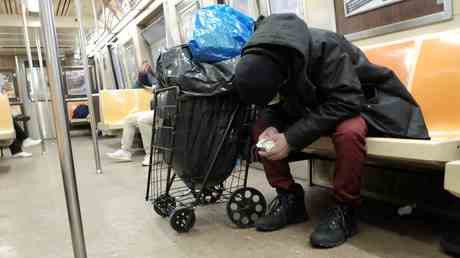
(268, 58)
(281, 30)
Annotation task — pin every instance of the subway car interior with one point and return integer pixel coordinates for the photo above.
(229, 128)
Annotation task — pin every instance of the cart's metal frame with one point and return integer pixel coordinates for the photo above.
(166, 190)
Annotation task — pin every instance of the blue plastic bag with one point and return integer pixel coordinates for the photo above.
(220, 32)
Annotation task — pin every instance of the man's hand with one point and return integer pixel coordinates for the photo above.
(268, 133)
(279, 151)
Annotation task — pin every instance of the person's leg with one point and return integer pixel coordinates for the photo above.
(289, 206)
(350, 147)
(129, 131)
(23, 137)
(16, 146)
(145, 123)
(20, 133)
(351, 153)
(127, 138)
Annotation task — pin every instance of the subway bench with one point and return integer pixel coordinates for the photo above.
(7, 133)
(430, 67)
(116, 105)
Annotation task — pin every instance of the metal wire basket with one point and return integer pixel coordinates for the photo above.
(172, 197)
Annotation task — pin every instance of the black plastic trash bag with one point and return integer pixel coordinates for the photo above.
(176, 68)
(207, 128)
(209, 120)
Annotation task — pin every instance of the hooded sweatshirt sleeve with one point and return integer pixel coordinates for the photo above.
(273, 116)
(341, 97)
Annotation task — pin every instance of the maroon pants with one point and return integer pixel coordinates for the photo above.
(350, 145)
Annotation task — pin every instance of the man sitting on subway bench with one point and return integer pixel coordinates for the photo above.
(314, 83)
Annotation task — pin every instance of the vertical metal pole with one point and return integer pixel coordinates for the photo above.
(89, 94)
(42, 72)
(38, 114)
(97, 72)
(96, 25)
(62, 129)
(96, 59)
(22, 88)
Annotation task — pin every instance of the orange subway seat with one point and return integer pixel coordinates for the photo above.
(398, 57)
(436, 85)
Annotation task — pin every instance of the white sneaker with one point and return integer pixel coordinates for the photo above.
(30, 142)
(120, 155)
(22, 154)
(146, 161)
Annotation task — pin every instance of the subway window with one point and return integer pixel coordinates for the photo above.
(8, 84)
(118, 67)
(155, 36)
(107, 71)
(130, 63)
(74, 81)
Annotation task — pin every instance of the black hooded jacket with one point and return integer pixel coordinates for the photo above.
(331, 80)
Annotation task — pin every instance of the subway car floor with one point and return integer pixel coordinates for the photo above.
(119, 223)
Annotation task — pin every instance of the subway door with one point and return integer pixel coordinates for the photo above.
(154, 35)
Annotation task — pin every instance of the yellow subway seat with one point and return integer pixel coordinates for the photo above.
(116, 105)
(7, 133)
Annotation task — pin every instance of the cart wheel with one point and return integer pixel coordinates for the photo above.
(164, 204)
(212, 195)
(182, 220)
(245, 206)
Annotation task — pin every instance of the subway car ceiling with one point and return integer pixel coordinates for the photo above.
(116, 28)
(13, 7)
(12, 31)
(12, 40)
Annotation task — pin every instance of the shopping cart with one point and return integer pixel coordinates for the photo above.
(174, 193)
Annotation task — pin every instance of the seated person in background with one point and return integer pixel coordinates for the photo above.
(314, 83)
(142, 120)
(21, 141)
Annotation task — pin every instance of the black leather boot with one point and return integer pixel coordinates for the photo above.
(336, 228)
(287, 208)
